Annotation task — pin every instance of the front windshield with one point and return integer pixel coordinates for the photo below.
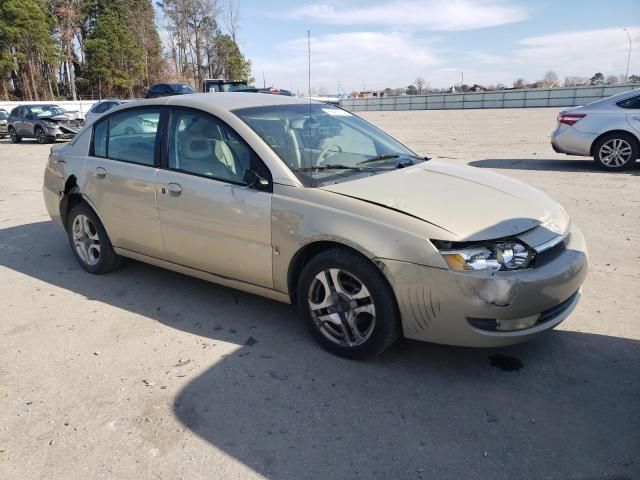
(324, 144)
(47, 110)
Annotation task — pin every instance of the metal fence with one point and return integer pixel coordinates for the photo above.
(525, 98)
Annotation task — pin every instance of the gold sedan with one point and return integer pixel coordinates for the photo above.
(307, 203)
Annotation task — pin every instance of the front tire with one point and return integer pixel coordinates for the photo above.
(348, 305)
(616, 151)
(41, 136)
(89, 241)
(15, 138)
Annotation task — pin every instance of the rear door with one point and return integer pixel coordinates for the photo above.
(120, 179)
(211, 219)
(632, 106)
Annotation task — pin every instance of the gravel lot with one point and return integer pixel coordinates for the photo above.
(146, 373)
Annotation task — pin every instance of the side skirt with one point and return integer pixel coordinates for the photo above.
(209, 277)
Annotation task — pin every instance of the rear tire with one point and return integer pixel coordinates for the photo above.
(89, 241)
(348, 305)
(616, 151)
(15, 138)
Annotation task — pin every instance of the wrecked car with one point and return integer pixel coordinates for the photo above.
(306, 203)
(45, 123)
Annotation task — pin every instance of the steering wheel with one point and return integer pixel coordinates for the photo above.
(327, 151)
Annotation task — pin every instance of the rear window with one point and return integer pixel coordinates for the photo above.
(128, 136)
(633, 102)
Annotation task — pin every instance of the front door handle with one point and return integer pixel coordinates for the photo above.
(174, 188)
(101, 172)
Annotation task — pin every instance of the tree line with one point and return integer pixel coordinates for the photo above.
(550, 80)
(57, 49)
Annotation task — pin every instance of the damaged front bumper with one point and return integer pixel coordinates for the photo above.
(487, 309)
(62, 131)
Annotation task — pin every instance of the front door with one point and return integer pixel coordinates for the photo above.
(210, 219)
(120, 179)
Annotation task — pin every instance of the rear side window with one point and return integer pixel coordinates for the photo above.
(128, 136)
(100, 139)
(632, 103)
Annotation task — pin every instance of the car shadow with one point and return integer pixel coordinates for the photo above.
(558, 165)
(565, 405)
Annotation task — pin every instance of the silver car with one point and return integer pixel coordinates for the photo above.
(306, 203)
(607, 130)
(100, 108)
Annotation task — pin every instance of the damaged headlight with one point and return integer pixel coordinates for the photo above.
(494, 256)
(49, 123)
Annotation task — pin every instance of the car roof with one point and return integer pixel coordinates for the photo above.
(224, 100)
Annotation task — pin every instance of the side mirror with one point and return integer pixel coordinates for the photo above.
(253, 180)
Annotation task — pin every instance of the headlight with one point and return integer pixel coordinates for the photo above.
(49, 123)
(494, 256)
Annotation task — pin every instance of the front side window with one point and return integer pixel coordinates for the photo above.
(324, 144)
(202, 145)
(128, 136)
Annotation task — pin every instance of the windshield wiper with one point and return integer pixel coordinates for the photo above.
(327, 167)
(379, 158)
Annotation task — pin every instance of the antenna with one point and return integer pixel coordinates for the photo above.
(309, 84)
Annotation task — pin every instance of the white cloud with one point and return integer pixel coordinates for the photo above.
(580, 52)
(378, 59)
(429, 14)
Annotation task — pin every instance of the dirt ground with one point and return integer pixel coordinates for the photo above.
(146, 373)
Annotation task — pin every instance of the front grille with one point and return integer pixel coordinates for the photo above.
(552, 253)
(73, 123)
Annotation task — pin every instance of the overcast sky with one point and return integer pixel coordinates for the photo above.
(388, 43)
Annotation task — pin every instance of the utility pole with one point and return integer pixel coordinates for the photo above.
(264, 82)
(462, 81)
(626, 75)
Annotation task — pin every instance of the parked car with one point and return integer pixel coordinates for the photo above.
(4, 124)
(306, 203)
(213, 85)
(168, 89)
(607, 130)
(45, 123)
(101, 107)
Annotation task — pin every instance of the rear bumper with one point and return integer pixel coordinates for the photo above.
(572, 142)
(52, 202)
(464, 308)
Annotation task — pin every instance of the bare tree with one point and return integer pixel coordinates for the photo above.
(520, 83)
(612, 79)
(69, 17)
(551, 79)
(232, 18)
(420, 83)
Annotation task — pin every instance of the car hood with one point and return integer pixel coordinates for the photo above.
(63, 116)
(469, 203)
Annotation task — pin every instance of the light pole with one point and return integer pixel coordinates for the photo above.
(626, 75)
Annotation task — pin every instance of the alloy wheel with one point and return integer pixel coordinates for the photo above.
(86, 240)
(342, 307)
(41, 137)
(13, 135)
(615, 153)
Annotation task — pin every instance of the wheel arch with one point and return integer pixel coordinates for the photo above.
(612, 132)
(72, 196)
(313, 249)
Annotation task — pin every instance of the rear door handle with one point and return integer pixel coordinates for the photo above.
(101, 172)
(174, 188)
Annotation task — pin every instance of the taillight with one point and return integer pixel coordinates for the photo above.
(570, 118)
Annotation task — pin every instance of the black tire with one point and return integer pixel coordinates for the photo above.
(600, 156)
(41, 136)
(108, 260)
(15, 138)
(386, 327)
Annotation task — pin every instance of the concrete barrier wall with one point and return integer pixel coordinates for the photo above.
(525, 98)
